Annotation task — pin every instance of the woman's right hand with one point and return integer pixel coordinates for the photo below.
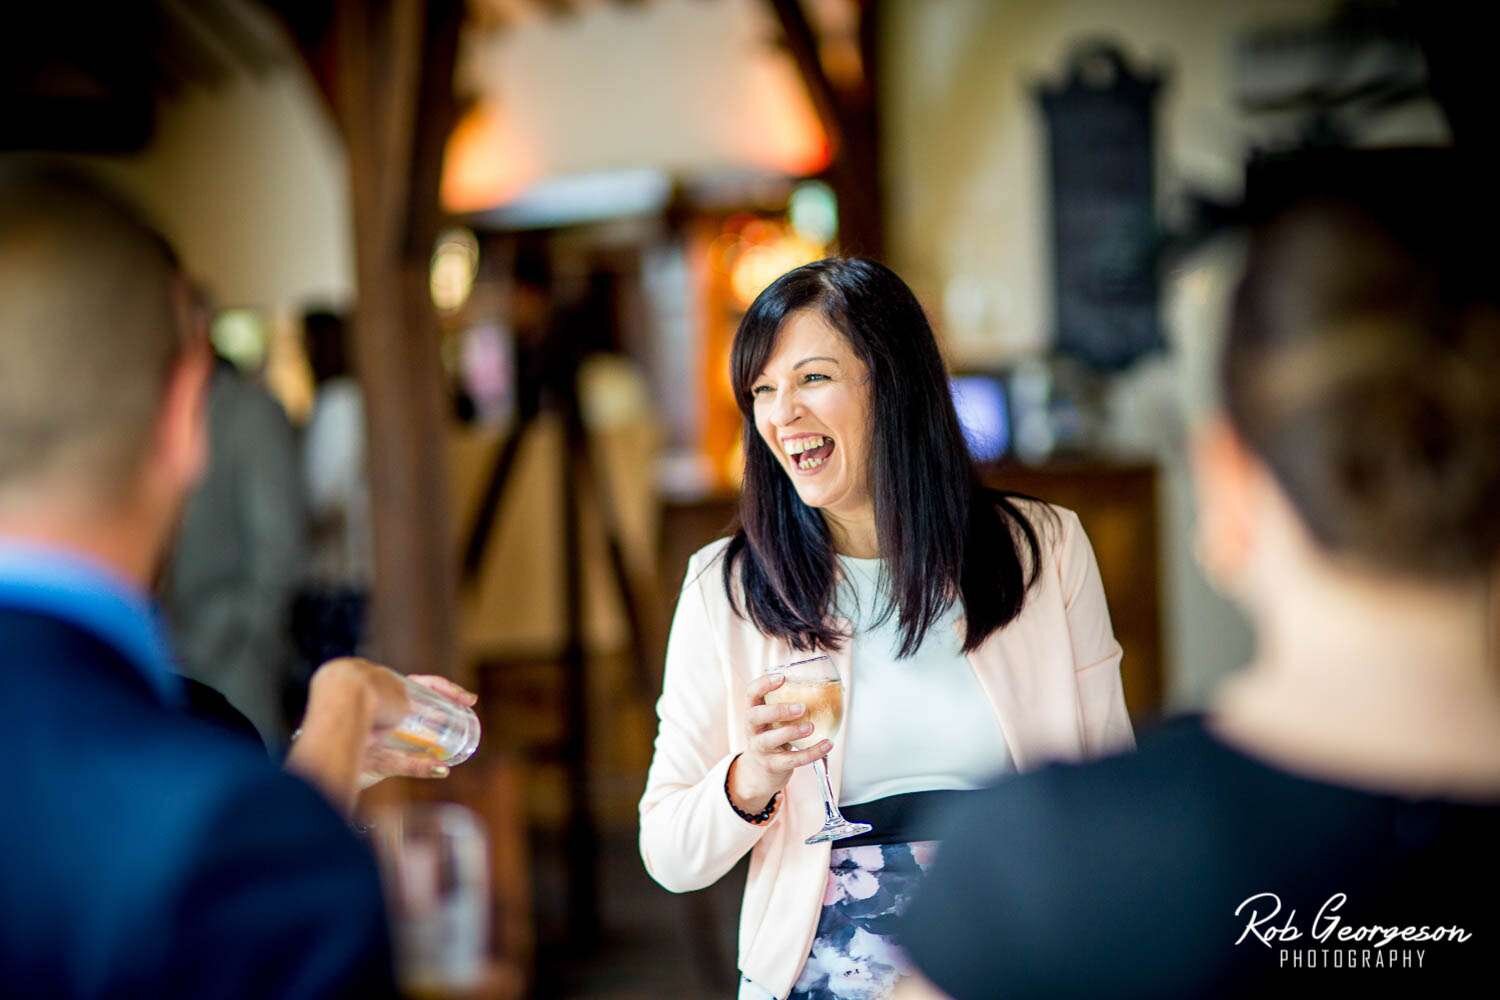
(767, 763)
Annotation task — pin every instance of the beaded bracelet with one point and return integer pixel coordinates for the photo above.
(756, 818)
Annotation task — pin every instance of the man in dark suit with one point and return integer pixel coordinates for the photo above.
(142, 851)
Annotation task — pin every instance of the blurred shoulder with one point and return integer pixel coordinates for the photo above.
(210, 766)
(238, 400)
(277, 812)
(1078, 866)
(1146, 798)
(241, 809)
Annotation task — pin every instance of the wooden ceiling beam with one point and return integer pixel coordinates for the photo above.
(851, 121)
(802, 42)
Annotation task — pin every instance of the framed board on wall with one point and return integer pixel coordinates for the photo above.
(1101, 165)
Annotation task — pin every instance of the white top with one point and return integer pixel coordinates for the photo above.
(916, 724)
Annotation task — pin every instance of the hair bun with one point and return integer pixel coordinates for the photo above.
(1363, 364)
(1414, 464)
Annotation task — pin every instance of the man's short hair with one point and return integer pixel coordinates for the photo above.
(91, 322)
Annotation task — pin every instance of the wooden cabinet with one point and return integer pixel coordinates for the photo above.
(1117, 505)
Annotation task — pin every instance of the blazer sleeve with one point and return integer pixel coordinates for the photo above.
(1096, 653)
(690, 835)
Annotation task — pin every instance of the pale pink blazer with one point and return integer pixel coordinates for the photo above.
(1052, 676)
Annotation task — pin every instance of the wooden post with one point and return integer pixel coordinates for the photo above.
(851, 119)
(393, 86)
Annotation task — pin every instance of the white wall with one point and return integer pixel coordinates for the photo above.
(678, 85)
(965, 168)
(249, 180)
(250, 183)
(965, 152)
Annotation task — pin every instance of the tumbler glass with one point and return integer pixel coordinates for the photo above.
(435, 727)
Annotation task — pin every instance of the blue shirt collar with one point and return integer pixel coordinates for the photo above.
(77, 590)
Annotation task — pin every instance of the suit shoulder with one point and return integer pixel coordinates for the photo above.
(1052, 525)
(1039, 509)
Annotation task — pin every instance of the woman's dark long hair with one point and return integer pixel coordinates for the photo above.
(943, 536)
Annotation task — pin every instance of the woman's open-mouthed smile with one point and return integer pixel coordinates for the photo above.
(808, 452)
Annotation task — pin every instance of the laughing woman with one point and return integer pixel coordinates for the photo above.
(968, 627)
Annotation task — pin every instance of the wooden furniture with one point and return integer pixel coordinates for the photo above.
(557, 522)
(1117, 504)
(513, 621)
(492, 786)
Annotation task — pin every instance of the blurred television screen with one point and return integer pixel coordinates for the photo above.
(984, 414)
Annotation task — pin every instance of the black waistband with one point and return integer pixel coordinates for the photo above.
(898, 819)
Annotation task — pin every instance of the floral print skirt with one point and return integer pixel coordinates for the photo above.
(854, 954)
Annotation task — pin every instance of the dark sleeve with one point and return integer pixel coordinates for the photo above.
(992, 915)
(1074, 880)
(283, 901)
(208, 705)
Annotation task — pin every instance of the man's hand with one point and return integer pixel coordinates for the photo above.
(352, 682)
(352, 703)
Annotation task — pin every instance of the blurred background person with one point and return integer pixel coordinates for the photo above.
(1350, 776)
(240, 552)
(969, 629)
(331, 609)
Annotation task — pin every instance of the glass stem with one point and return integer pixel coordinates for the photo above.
(830, 807)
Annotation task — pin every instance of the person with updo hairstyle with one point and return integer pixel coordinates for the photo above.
(1330, 820)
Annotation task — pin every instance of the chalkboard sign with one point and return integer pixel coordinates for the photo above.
(1101, 139)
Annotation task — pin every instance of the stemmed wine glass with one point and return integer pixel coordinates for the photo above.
(815, 684)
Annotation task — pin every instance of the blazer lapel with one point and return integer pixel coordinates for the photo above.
(1031, 693)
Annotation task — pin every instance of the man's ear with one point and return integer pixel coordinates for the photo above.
(1224, 479)
(182, 424)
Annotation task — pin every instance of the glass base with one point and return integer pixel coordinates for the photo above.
(838, 831)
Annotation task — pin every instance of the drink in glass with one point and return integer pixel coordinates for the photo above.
(435, 727)
(823, 704)
(815, 684)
